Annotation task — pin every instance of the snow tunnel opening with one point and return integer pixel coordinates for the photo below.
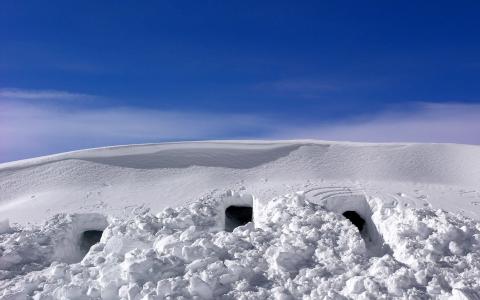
(356, 219)
(358, 210)
(73, 243)
(89, 238)
(236, 216)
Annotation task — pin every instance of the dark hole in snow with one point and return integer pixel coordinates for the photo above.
(237, 216)
(355, 218)
(89, 238)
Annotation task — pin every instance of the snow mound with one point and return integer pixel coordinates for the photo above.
(292, 249)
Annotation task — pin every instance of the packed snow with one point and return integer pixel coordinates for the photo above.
(243, 220)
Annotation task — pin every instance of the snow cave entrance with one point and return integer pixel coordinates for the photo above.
(356, 209)
(75, 241)
(356, 219)
(89, 238)
(236, 215)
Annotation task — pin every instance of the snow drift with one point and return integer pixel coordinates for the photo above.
(114, 180)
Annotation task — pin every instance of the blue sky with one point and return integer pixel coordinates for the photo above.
(76, 74)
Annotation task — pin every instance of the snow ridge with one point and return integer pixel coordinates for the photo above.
(293, 249)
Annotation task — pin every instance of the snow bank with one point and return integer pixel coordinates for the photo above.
(294, 249)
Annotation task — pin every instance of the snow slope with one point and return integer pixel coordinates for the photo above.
(328, 221)
(114, 180)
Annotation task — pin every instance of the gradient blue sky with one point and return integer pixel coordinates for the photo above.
(77, 74)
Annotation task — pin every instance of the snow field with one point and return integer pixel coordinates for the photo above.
(294, 249)
(113, 180)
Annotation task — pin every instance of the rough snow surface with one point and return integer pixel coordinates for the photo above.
(294, 249)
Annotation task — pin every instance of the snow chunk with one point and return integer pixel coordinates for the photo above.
(295, 249)
(198, 287)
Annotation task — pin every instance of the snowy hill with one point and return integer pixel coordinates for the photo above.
(243, 220)
(114, 180)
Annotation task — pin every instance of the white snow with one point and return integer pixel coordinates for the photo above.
(4, 226)
(294, 249)
(162, 212)
(114, 180)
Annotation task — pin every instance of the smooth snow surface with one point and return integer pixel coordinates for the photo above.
(328, 221)
(114, 180)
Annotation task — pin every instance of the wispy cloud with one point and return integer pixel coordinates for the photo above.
(300, 85)
(33, 128)
(424, 122)
(304, 88)
(313, 87)
(12, 94)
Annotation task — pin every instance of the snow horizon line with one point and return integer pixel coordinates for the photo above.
(39, 122)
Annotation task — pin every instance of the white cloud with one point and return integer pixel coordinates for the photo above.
(12, 94)
(425, 122)
(32, 128)
(303, 88)
(309, 88)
